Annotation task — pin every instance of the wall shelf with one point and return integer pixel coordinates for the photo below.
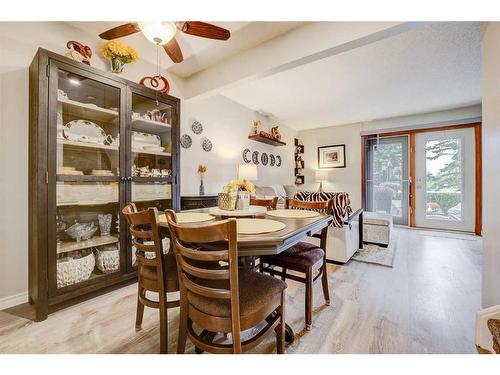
(268, 141)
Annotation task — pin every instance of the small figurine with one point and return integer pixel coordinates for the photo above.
(79, 52)
(275, 132)
(255, 127)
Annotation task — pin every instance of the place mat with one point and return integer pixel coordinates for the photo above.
(188, 217)
(256, 226)
(293, 213)
(252, 211)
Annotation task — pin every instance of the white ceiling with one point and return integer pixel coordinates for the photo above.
(422, 70)
(199, 53)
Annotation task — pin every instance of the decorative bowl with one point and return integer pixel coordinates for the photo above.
(81, 231)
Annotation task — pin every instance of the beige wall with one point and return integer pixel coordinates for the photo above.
(349, 179)
(491, 164)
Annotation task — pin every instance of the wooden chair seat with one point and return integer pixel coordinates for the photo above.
(255, 289)
(298, 256)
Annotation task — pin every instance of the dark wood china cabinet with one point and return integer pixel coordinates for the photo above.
(97, 141)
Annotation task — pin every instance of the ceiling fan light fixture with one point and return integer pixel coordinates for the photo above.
(158, 32)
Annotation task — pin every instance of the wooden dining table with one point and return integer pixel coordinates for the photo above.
(254, 245)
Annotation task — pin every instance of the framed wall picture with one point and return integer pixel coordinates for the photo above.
(331, 156)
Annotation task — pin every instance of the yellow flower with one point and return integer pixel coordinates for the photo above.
(117, 49)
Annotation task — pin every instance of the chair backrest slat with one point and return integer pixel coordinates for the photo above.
(204, 290)
(322, 206)
(269, 203)
(208, 274)
(143, 226)
(205, 256)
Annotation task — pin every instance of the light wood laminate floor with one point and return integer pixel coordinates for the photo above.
(426, 303)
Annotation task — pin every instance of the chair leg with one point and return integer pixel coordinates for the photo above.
(140, 308)
(280, 332)
(261, 266)
(183, 318)
(309, 285)
(324, 282)
(283, 277)
(163, 324)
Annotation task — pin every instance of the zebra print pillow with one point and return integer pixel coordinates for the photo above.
(341, 208)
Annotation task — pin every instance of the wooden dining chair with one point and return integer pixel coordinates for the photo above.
(269, 203)
(304, 257)
(156, 269)
(227, 299)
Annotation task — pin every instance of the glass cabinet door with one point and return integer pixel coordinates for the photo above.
(151, 150)
(87, 147)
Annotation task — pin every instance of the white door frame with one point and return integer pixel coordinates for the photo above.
(467, 223)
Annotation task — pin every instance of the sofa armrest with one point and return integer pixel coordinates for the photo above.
(348, 221)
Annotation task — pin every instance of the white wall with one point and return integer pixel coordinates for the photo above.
(491, 164)
(227, 124)
(18, 44)
(349, 179)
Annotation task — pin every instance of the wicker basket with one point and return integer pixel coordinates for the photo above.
(227, 201)
(107, 258)
(74, 270)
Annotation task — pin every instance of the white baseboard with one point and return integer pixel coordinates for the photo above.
(13, 300)
(483, 334)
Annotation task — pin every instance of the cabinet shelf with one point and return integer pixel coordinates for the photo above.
(87, 111)
(85, 203)
(159, 153)
(76, 144)
(86, 178)
(66, 247)
(148, 126)
(268, 141)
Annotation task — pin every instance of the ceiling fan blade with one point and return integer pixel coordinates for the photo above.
(173, 50)
(119, 31)
(205, 30)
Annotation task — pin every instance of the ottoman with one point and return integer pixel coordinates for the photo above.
(377, 228)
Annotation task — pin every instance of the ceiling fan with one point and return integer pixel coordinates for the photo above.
(163, 33)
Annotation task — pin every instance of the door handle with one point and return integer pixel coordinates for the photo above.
(129, 178)
(123, 179)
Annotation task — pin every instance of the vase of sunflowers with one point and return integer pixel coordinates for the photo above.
(118, 54)
(243, 189)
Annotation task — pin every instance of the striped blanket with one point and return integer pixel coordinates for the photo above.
(341, 204)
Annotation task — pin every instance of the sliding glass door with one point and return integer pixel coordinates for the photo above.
(445, 180)
(386, 175)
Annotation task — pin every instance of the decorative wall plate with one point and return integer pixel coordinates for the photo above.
(206, 144)
(197, 127)
(278, 161)
(245, 156)
(264, 159)
(273, 160)
(186, 141)
(255, 157)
